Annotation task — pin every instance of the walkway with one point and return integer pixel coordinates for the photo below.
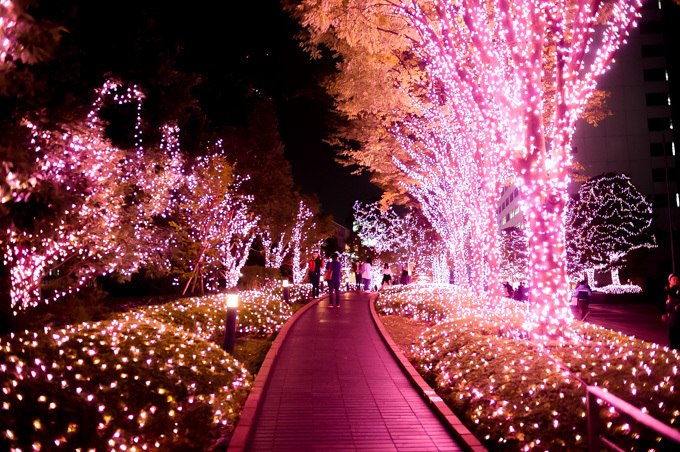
(335, 386)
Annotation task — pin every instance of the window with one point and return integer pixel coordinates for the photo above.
(658, 124)
(659, 201)
(655, 50)
(658, 175)
(654, 99)
(651, 27)
(656, 149)
(655, 75)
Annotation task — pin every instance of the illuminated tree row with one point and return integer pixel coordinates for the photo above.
(408, 238)
(518, 73)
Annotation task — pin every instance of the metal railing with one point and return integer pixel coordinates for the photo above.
(596, 441)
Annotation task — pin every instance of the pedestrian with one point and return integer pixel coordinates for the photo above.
(357, 275)
(386, 276)
(314, 272)
(582, 294)
(327, 275)
(672, 314)
(404, 275)
(519, 293)
(508, 289)
(366, 270)
(335, 269)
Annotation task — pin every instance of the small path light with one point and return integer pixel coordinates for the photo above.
(230, 329)
(286, 291)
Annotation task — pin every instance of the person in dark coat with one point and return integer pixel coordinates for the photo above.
(314, 271)
(334, 283)
(672, 311)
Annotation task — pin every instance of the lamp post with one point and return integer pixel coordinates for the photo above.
(286, 291)
(230, 329)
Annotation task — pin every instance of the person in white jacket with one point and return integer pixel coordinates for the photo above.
(366, 270)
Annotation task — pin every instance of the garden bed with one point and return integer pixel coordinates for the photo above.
(154, 378)
(516, 393)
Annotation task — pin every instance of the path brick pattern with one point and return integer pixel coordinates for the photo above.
(335, 386)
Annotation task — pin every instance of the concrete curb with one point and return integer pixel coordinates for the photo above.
(443, 412)
(239, 439)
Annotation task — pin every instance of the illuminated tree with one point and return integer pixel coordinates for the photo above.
(519, 73)
(609, 219)
(110, 199)
(514, 255)
(215, 226)
(407, 238)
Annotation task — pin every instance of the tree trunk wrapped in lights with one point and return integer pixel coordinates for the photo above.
(522, 71)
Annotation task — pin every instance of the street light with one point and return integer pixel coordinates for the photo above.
(230, 328)
(286, 291)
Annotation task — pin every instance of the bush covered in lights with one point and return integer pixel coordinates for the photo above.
(128, 384)
(149, 379)
(516, 391)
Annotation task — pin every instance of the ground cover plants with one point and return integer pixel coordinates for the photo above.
(517, 393)
(154, 378)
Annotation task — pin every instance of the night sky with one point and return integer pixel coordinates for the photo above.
(233, 47)
(242, 43)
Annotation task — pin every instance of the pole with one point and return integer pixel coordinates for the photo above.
(230, 327)
(668, 198)
(230, 331)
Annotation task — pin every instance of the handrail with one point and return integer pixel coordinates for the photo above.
(596, 441)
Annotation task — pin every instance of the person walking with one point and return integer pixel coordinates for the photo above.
(582, 294)
(672, 308)
(314, 271)
(386, 276)
(335, 269)
(404, 275)
(357, 275)
(366, 270)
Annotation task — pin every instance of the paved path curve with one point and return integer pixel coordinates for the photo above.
(335, 386)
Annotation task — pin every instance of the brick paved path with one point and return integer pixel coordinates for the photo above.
(335, 386)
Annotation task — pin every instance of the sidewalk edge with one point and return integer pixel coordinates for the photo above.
(241, 435)
(469, 442)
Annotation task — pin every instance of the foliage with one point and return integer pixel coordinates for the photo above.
(215, 226)
(123, 382)
(504, 385)
(152, 378)
(607, 220)
(514, 255)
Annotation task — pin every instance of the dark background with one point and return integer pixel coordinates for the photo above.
(240, 51)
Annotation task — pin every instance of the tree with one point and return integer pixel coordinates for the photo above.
(608, 219)
(215, 227)
(514, 255)
(402, 238)
(517, 73)
(109, 200)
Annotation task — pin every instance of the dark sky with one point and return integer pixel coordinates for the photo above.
(292, 79)
(231, 45)
(256, 40)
